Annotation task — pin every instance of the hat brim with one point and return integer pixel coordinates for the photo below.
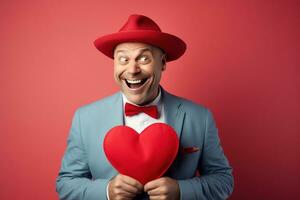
(173, 46)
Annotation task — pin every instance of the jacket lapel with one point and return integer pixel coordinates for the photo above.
(115, 115)
(172, 107)
(173, 111)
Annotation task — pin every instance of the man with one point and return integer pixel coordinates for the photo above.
(140, 52)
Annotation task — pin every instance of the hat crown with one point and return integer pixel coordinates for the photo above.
(139, 22)
(142, 29)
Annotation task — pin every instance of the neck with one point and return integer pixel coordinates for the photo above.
(150, 100)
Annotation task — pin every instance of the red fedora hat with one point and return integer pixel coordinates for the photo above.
(142, 29)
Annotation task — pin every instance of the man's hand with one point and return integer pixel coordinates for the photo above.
(123, 187)
(163, 188)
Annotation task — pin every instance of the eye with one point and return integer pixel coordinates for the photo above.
(123, 60)
(144, 59)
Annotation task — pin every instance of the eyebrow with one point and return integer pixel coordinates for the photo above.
(142, 50)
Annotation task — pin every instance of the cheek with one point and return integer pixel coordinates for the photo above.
(117, 72)
(149, 70)
(157, 74)
(157, 78)
(117, 77)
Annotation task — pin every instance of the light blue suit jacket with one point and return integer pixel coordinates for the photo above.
(85, 170)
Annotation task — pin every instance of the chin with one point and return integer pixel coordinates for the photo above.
(136, 100)
(139, 98)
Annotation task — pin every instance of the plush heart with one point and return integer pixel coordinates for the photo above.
(145, 156)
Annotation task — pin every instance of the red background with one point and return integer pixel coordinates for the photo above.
(242, 62)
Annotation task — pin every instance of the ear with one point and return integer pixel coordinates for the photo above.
(164, 62)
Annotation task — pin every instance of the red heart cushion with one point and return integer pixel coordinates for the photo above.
(145, 156)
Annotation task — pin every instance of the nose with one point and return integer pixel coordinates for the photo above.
(133, 68)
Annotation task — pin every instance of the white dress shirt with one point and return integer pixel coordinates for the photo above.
(141, 121)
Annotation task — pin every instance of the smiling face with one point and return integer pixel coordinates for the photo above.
(137, 70)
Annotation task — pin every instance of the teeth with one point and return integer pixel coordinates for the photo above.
(133, 81)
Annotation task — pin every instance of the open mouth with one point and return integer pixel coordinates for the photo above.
(134, 84)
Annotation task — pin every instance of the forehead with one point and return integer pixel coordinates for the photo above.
(133, 47)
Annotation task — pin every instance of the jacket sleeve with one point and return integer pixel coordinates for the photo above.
(215, 181)
(74, 180)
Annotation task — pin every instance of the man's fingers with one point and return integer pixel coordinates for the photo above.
(155, 198)
(123, 187)
(130, 188)
(132, 182)
(152, 185)
(155, 192)
(123, 193)
(163, 188)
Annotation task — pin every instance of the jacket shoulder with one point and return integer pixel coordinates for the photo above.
(189, 106)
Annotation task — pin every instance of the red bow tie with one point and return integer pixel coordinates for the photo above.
(131, 110)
